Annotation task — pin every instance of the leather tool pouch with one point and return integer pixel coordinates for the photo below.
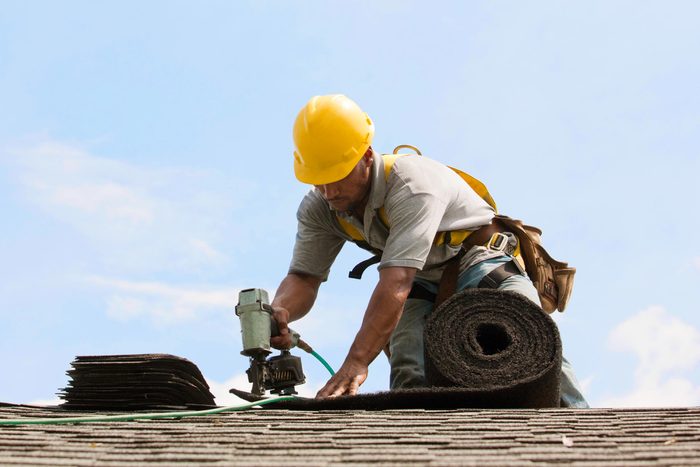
(554, 280)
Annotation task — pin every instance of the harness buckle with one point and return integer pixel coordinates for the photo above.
(498, 242)
(503, 241)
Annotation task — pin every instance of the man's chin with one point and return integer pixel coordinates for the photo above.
(340, 207)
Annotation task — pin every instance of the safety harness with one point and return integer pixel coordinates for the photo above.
(453, 238)
(553, 279)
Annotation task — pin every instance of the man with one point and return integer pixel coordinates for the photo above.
(398, 213)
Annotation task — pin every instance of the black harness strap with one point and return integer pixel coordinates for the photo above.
(421, 293)
(493, 279)
(360, 268)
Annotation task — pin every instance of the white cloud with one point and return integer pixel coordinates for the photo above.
(53, 401)
(661, 341)
(673, 392)
(163, 303)
(205, 250)
(696, 262)
(668, 350)
(220, 390)
(135, 217)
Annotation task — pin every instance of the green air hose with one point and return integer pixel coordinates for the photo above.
(307, 348)
(157, 415)
(324, 362)
(143, 416)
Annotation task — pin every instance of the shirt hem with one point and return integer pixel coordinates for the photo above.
(402, 263)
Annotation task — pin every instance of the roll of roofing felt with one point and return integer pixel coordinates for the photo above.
(497, 346)
(484, 348)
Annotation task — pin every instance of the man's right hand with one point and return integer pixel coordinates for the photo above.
(284, 340)
(294, 298)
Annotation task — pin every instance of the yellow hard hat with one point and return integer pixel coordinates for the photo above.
(331, 134)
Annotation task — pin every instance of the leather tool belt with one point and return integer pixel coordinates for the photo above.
(552, 279)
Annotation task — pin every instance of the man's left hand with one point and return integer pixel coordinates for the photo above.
(346, 381)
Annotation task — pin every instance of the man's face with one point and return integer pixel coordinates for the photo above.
(346, 194)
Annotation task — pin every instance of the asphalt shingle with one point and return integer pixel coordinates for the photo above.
(454, 437)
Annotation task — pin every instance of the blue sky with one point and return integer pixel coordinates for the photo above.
(146, 170)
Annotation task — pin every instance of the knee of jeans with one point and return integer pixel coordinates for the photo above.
(407, 363)
(407, 376)
(406, 352)
(409, 330)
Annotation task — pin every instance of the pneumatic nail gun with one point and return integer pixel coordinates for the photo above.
(279, 374)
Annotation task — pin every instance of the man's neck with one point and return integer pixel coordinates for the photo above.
(358, 211)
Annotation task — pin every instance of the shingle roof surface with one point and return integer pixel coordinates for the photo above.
(457, 437)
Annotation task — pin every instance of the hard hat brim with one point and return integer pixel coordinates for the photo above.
(327, 175)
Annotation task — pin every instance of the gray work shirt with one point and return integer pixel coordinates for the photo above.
(421, 197)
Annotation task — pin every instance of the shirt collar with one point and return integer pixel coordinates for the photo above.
(378, 187)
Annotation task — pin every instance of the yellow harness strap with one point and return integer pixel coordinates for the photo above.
(353, 231)
(350, 229)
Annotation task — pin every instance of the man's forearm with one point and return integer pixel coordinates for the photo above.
(296, 294)
(382, 314)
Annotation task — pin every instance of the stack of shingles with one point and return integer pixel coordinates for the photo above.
(135, 382)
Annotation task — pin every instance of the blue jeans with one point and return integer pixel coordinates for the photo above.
(406, 344)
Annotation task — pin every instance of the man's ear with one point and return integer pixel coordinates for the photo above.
(368, 156)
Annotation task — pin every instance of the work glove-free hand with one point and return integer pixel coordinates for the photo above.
(284, 340)
(346, 381)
